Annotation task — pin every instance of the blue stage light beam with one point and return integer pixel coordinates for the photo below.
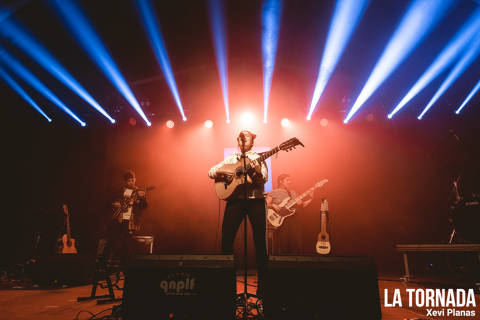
(26, 41)
(469, 97)
(346, 17)
(271, 13)
(459, 68)
(152, 28)
(419, 20)
(83, 31)
(216, 10)
(18, 89)
(446, 57)
(31, 79)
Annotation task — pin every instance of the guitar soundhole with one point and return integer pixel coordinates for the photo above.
(239, 172)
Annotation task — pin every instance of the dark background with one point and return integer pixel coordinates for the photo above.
(389, 179)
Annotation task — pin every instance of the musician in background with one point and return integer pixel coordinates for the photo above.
(253, 206)
(128, 205)
(288, 238)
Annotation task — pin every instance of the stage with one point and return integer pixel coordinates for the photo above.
(61, 303)
(345, 132)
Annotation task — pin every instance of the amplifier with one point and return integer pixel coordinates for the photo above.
(304, 287)
(180, 287)
(142, 244)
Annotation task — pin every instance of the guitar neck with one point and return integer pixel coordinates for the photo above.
(68, 227)
(323, 224)
(298, 198)
(264, 156)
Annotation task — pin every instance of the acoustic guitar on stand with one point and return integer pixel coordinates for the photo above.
(323, 242)
(68, 243)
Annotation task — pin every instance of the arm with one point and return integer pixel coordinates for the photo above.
(270, 204)
(259, 173)
(306, 202)
(212, 173)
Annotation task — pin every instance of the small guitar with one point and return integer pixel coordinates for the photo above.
(129, 201)
(323, 242)
(276, 218)
(230, 178)
(68, 243)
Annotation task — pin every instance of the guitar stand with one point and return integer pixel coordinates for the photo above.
(102, 274)
(245, 309)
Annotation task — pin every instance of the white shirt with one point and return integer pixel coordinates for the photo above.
(127, 215)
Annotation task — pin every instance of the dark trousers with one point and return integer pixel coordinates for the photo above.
(118, 241)
(288, 237)
(235, 211)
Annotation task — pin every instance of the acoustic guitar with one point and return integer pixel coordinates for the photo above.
(68, 243)
(230, 177)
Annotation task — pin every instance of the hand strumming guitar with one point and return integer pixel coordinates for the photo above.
(256, 173)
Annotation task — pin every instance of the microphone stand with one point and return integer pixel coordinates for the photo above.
(243, 297)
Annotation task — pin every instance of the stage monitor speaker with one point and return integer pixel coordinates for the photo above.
(180, 287)
(303, 287)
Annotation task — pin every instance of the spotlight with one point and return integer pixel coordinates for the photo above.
(15, 86)
(170, 124)
(217, 17)
(470, 95)
(27, 42)
(247, 118)
(271, 13)
(152, 27)
(84, 32)
(456, 72)
(446, 58)
(208, 123)
(29, 77)
(345, 18)
(419, 20)
(285, 122)
(324, 122)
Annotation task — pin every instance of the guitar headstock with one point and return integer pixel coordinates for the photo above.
(65, 209)
(290, 144)
(324, 205)
(321, 183)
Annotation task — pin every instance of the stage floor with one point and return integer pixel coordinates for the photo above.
(61, 303)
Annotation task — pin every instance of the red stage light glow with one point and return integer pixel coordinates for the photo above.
(285, 123)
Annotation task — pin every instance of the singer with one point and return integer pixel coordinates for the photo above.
(253, 206)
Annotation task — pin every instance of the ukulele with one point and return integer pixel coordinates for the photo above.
(323, 242)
